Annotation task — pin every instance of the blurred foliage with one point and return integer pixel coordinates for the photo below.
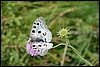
(17, 18)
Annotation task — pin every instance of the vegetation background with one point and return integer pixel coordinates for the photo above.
(81, 17)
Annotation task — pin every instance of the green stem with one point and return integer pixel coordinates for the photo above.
(75, 52)
(79, 55)
(58, 45)
(64, 54)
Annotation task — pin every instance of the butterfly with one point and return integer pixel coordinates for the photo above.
(40, 38)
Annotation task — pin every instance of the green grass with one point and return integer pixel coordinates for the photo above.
(81, 17)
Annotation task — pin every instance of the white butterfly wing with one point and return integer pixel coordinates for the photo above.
(45, 48)
(49, 45)
(42, 22)
(40, 29)
(43, 52)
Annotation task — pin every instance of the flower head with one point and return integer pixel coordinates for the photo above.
(63, 32)
(30, 50)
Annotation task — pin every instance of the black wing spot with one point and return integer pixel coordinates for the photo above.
(39, 31)
(38, 50)
(34, 26)
(37, 23)
(33, 45)
(35, 48)
(39, 45)
(45, 39)
(33, 31)
(34, 23)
